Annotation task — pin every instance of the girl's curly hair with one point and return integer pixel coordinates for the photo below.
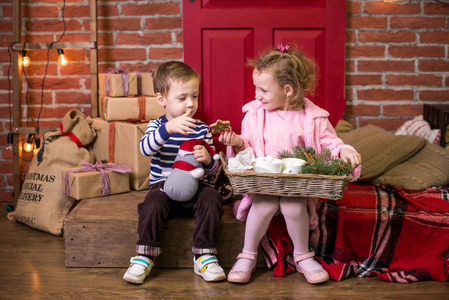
(290, 67)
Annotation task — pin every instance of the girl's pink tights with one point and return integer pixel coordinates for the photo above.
(296, 217)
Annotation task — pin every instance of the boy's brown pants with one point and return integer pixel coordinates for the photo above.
(206, 207)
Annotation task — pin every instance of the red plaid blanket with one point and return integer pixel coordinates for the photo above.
(396, 234)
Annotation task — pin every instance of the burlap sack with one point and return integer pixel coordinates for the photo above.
(43, 203)
(78, 127)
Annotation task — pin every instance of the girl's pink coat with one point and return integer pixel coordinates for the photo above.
(318, 134)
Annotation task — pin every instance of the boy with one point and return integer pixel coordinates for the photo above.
(177, 87)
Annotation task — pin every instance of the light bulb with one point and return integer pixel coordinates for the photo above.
(29, 144)
(62, 59)
(26, 61)
(28, 147)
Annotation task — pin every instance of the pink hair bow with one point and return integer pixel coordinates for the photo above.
(283, 48)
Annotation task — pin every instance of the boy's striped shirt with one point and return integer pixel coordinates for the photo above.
(163, 148)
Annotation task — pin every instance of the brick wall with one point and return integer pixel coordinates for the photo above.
(396, 60)
(132, 35)
(397, 57)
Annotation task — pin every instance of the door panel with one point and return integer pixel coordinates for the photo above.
(224, 56)
(220, 35)
(258, 3)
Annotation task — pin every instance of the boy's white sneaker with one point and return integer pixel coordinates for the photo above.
(207, 267)
(139, 269)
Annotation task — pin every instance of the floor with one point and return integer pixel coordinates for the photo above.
(32, 267)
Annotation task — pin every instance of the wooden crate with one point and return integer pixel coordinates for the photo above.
(438, 118)
(102, 232)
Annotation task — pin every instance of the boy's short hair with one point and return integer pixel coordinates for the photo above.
(172, 71)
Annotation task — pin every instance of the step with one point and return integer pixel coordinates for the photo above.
(102, 232)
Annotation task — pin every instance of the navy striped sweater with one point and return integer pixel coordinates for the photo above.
(157, 142)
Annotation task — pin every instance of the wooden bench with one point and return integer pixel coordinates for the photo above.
(102, 232)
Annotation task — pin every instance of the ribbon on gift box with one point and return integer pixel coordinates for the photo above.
(123, 73)
(141, 101)
(111, 139)
(139, 78)
(100, 167)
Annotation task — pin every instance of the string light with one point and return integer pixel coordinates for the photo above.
(26, 61)
(10, 141)
(62, 59)
(31, 145)
(28, 146)
(37, 144)
(36, 150)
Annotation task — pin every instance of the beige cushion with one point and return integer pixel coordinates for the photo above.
(427, 168)
(343, 126)
(381, 150)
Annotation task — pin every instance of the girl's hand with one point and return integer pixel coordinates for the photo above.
(352, 156)
(182, 124)
(201, 155)
(229, 138)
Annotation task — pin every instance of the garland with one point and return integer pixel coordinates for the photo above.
(321, 163)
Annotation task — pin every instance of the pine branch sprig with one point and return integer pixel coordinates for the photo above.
(318, 163)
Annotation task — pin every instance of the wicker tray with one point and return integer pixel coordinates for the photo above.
(287, 185)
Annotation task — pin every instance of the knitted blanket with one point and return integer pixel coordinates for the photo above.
(396, 234)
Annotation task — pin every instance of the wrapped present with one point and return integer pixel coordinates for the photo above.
(118, 83)
(146, 84)
(118, 142)
(96, 180)
(135, 108)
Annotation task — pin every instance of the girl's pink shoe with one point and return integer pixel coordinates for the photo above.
(243, 276)
(314, 276)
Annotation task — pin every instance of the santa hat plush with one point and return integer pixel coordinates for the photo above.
(187, 148)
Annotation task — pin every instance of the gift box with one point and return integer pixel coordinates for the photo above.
(146, 84)
(117, 83)
(130, 108)
(96, 180)
(118, 142)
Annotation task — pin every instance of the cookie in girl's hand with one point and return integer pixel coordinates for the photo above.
(220, 126)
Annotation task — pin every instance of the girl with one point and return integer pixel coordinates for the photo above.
(279, 119)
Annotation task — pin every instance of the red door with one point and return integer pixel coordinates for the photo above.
(220, 35)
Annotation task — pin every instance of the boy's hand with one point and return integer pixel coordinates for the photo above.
(201, 155)
(182, 124)
(229, 138)
(354, 157)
